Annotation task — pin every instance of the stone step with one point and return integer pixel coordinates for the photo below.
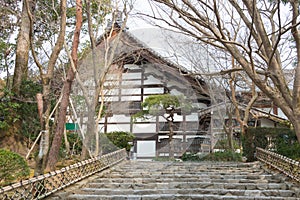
(138, 180)
(189, 175)
(186, 184)
(173, 170)
(187, 191)
(159, 173)
(179, 167)
(173, 197)
(175, 167)
(191, 180)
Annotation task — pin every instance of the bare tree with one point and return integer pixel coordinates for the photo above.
(263, 31)
(101, 60)
(224, 79)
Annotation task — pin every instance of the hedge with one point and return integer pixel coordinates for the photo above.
(282, 141)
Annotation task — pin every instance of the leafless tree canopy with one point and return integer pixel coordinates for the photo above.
(262, 37)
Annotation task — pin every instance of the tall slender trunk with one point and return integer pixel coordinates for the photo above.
(171, 141)
(296, 126)
(11, 137)
(87, 150)
(170, 120)
(56, 143)
(22, 51)
(45, 127)
(229, 130)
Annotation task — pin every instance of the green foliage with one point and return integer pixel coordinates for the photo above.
(75, 145)
(258, 137)
(12, 167)
(224, 156)
(28, 108)
(29, 89)
(121, 139)
(216, 156)
(288, 145)
(6, 55)
(192, 157)
(223, 144)
(8, 109)
(157, 105)
(161, 101)
(165, 159)
(100, 9)
(107, 145)
(113, 141)
(75, 142)
(23, 108)
(9, 11)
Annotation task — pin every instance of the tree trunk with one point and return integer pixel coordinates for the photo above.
(170, 120)
(45, 128)
(296, 126)
(46, 81)
(56, 143)
(23, 47)
(20, 74)
(171, 141)
(229, 131)
(67, 144)
(89, 139)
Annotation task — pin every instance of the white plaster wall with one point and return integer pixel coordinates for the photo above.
(192, 117)
(266, 123)
(153, 91)
(151, 80)
(146, 148)
(130, 98)
(119, 118)
(118, 127)
(131, 91)
(144, 128)
(131, 75)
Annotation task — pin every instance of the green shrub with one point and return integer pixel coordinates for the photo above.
(12, 167)
(75, 143)
(8, 110)
(118, 139)
(164, 159)
(287, 145)
(191, 157)
(223, 144)
(224, 156)
(282, 140)
(13, 110)
(28, 111)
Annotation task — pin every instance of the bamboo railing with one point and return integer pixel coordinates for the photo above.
(46, 184)
(284, 164)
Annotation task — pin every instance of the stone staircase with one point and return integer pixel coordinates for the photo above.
(183, 180)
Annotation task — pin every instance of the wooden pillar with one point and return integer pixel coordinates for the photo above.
(142, 84)
(157, 134)
(184, 142)
(105, 124)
